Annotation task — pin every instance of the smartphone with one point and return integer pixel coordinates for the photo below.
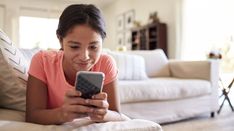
(89, 83)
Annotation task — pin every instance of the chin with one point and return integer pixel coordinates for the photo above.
(83, 69)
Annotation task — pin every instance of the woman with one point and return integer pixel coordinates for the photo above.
(51, 96)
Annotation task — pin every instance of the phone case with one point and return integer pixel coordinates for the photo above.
(89, 83)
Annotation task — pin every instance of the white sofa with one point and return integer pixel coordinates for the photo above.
(13, 76)
(151, 87)
(174, 90)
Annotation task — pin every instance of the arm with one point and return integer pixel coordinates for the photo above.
(113, 97)
(113, 113)
(107, 114)
(36, 105)
(36, 98)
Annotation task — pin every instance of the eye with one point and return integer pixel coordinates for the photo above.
(74, 47)
(93, 47)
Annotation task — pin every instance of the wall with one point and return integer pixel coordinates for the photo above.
(2, 13)
(168, 12)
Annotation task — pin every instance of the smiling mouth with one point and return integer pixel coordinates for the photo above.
(83, 64)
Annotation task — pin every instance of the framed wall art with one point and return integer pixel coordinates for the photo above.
(128, 39)
(124, 25)
(129, 19)
(120, 38)
(120, 22)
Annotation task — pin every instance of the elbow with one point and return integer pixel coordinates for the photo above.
(28, 117)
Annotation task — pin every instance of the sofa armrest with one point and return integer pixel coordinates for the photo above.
(206, 70)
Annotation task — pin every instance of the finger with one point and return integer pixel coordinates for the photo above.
(98, 103)
(71, 116)
(96, 117)
(72, 93)
(100, 96)
(80, 109)
(100, 111)
(76, 101)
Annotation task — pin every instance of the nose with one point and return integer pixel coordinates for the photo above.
(84, 55)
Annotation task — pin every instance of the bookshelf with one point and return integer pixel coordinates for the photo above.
(149, 37)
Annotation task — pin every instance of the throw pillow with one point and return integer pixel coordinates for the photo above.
(13, 75)
(13, 56)
(28, 54)
(131, 67)
(156, 62)
(12, 93)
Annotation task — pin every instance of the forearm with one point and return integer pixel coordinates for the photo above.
(115, 116)
(45, 116)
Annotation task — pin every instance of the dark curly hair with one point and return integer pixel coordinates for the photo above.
(78, 14)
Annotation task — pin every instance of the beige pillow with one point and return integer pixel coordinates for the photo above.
(13, 75)
(13, 92)
(13, 56)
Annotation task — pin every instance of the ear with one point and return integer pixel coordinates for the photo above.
(60, 41)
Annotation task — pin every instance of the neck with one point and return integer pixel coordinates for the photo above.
(69, 74)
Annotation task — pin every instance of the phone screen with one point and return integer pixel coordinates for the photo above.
(89, 83)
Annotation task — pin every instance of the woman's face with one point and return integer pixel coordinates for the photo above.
(82, 48)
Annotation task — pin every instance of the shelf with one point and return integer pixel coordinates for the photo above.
(149, 37)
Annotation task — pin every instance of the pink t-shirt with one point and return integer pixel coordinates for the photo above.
(47, 67)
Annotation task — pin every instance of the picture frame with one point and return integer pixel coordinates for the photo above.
(120, 38)
(120, 23)
(125, 22)
(128, 39)
(129, 19)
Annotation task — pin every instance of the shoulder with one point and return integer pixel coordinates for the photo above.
(105, 58)
(107, 65)
(49, 56)
(104, 63)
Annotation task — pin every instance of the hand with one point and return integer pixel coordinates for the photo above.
(74, 106)
(101, 107)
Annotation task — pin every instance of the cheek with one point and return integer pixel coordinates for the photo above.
(96, 56)
(70, 55)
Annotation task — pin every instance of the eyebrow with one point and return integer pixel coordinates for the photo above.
(94, 42)
(71, 42)
(75, 42)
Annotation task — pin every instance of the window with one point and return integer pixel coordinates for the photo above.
(38, 32)
(208, 26)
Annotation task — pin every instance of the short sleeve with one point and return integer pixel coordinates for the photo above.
(36, 68)
(110, 69)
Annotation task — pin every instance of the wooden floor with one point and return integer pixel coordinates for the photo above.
(222, 122)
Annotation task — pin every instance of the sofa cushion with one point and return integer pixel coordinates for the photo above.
(11, 115)
(13, 92)
(162, 89)
(130, 67)
(156, 62)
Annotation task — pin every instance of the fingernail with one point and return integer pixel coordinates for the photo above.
(79, 93)
(91, 110)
